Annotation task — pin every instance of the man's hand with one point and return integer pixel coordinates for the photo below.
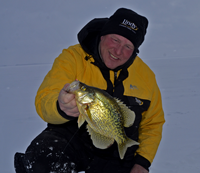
(67, 102)
(138, 169)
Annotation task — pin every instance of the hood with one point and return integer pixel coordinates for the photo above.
(89, 37)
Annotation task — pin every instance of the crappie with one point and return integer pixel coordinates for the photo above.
(105, 115)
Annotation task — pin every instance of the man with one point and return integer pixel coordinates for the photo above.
(105, 58)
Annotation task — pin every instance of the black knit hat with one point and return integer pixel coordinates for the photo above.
(128, 24)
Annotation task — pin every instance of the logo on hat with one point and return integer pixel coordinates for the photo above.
(129, 25)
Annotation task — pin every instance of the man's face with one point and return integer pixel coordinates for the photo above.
(115, 50)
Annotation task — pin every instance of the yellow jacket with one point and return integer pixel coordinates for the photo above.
(140, 84)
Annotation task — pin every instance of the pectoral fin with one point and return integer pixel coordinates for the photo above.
(88, 113)
(99, 141)
(81, 118)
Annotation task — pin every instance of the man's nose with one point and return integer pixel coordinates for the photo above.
(119, 49)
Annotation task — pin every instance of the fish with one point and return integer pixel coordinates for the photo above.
(105, 115)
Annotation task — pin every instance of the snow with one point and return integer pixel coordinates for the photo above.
(33, 34)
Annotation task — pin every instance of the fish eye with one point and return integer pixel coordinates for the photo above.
(83, 88)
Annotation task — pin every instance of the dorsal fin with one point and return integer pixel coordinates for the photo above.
(128, 115)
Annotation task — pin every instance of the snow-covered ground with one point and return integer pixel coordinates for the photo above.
(33, 34)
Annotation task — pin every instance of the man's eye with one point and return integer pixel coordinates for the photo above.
(128, 47)
(115, 40)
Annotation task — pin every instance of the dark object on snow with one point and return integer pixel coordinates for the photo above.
(18, 162)
(45, 155)
(56, 150)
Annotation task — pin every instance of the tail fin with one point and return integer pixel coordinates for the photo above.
(123, 146)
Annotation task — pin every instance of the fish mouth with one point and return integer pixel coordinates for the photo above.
(82, 96)
(73, 86)
(84, 99)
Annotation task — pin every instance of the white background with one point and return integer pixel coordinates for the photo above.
(34, 32)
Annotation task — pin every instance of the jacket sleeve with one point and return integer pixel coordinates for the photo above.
(64, 70)
(150, 130)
